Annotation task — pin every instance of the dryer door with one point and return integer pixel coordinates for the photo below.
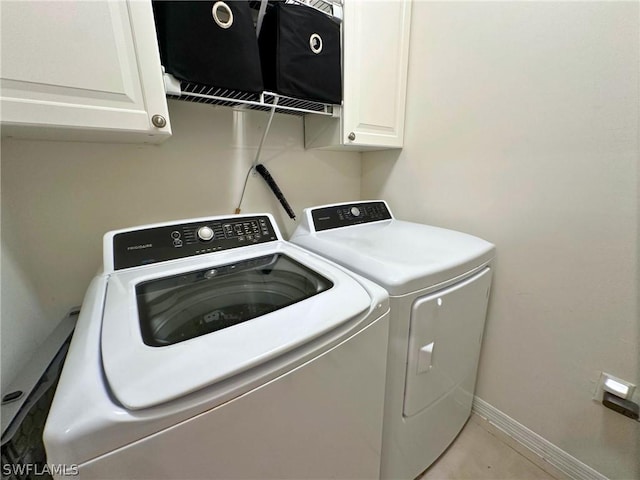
(444, 342)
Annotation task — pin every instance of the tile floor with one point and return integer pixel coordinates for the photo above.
(477, 454)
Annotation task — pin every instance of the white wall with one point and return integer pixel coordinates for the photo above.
(522, 128)
(59, 198)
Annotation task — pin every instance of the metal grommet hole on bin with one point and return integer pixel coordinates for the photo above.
(315, 42)
(12, 397)
(222, 14)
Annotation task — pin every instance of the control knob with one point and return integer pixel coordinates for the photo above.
(205, 233)
(355, 211)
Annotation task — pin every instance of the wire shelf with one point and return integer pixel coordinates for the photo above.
(193, 92)
(332, 8)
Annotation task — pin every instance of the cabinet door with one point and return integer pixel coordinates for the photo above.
(376, 51)
(81, 70)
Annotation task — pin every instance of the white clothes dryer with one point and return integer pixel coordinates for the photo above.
(439, 282)
(212, 348)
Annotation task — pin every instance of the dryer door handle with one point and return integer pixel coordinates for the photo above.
(424, 358)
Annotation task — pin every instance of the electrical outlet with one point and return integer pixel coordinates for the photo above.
(616, 386)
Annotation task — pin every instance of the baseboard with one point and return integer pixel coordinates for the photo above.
(547, 451)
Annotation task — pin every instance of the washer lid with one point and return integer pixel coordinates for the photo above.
(403, 257)
(169, 330)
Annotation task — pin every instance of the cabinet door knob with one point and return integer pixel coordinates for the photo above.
(352, 136)
(159, 121)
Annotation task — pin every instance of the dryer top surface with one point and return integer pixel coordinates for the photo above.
(401, 256)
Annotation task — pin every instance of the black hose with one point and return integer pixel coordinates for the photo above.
(262, 170)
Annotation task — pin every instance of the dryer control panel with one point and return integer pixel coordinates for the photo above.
(336, 216)
(169, 242)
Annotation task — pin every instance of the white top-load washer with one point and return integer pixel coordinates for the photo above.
(439, 282)
(212, 348)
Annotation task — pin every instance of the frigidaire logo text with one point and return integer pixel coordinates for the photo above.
(140, 247)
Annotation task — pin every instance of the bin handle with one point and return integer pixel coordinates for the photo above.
(221, 8)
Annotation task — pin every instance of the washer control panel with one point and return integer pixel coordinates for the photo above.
(336, 216)
(169, 242)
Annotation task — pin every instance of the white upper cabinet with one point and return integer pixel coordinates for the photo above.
(81, 70)
(375, 62)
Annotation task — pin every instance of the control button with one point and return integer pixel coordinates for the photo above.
(175, 234)
(205, 233)
(355, 211)
(177, 242)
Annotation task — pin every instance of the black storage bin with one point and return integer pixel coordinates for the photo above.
(300, 53)
(211, 43)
